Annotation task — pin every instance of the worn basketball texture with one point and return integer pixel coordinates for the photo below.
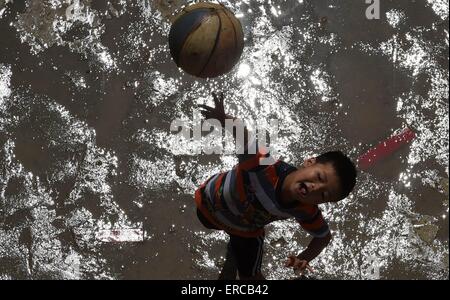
(206, 40)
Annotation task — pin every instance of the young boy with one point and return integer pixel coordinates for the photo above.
(242, 201)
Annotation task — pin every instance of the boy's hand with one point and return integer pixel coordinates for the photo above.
(299, 265)
(217, 112)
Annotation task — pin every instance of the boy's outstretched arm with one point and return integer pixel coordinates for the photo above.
(301, 262)
(218, 113)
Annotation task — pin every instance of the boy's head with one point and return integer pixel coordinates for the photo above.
(329, 177)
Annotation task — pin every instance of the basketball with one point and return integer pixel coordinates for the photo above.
(206, 40)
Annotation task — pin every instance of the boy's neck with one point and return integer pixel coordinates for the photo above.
(285, 193)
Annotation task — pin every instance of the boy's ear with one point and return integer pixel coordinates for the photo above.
(309, 162)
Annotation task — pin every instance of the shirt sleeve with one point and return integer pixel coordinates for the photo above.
(254, 156)
(315, 225)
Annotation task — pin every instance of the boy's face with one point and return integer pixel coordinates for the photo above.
(315, 183)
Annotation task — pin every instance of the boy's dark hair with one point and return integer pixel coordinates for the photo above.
(344, 167)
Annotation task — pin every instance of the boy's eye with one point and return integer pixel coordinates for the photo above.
(318, 176)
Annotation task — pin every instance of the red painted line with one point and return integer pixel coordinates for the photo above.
(385, 149)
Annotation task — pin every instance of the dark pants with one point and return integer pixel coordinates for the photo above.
(244, 255)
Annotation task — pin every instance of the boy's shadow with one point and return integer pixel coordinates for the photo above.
(229, 270)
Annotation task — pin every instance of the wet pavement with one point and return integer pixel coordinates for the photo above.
(86, 102)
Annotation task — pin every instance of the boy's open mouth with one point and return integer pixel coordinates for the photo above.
(302, 189)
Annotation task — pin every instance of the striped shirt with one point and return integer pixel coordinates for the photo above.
(242, 201)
